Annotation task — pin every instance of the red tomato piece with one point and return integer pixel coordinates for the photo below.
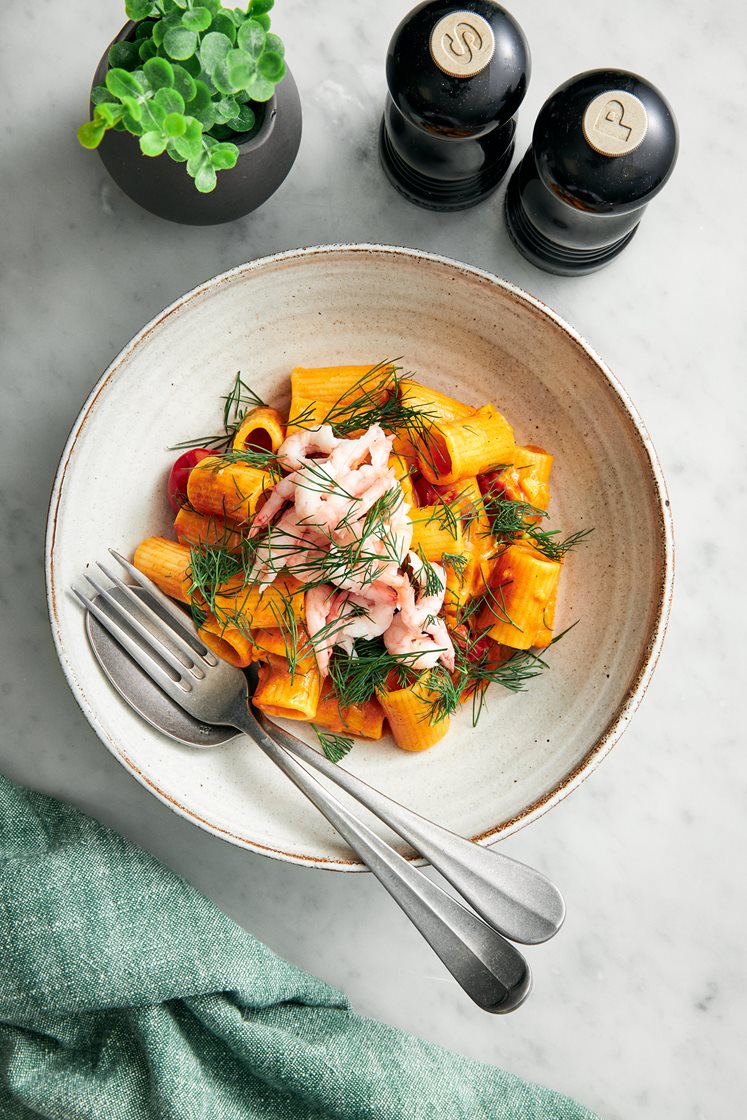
(176, 487)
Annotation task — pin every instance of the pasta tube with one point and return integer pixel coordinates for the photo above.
(262, 429)
(167, 564)
(365, 720)
(288, 695)
(197, 530)
(341, 384)
(433, 408)
(227, 489)
(304, 413)
(533, 466)
(276, 641)
(433, 534)
(249, 608)
(460, 449)
(408, 713)
(227, 642)
(520, 606)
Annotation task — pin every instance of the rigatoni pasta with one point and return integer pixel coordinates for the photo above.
(377, 551)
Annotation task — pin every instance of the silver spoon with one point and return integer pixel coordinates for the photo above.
(489, 969)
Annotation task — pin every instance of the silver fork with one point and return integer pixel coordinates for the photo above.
(489, 969)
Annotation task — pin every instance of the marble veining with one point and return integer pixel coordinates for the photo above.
(638, 1006)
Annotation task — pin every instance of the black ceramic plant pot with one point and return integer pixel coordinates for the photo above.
(162, 186)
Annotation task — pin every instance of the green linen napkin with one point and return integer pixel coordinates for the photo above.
(126, 995)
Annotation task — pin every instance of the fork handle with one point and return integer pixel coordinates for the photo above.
(489, 969)
(515, 899)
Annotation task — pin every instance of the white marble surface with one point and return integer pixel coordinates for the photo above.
(639, 1004)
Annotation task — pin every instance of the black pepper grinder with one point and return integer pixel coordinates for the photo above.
(457, 74)
(604, 145)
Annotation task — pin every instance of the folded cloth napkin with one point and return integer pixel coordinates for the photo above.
(127, 995)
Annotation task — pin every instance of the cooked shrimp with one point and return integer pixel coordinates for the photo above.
(417, 629)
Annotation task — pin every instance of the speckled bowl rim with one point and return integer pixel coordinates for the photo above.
(620, 718)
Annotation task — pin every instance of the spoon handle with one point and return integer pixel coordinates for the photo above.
(489, 969)
(515, 899)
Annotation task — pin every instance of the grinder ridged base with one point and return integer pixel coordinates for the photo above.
(441, 194)
(546, 254)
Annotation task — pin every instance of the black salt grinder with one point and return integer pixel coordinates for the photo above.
(604, 144)
(457, 74)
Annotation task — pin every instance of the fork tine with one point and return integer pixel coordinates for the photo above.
(177, 615)
(173, 688)
(156, 640)
(143, 606)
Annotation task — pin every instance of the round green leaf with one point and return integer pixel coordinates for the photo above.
(275, 43)
(271, 66)
(220, 132)
(170, 7)
(101, 93)
(195, 162)
(109, 113)
(223, 23)
(174, 124)
(180, 43)
(153, 143)
(159, 72)
(257, 7)
(182, 4)
(147, 50)
(169, 101)
(241, 69)
(152, 117)
(224, 156)
(173, 154)
(213, 50)
(192, 66)
(222, 79)
(201, 98)
(205, 179)
(144, 29)
(260, 89)
(122, 84)
(263, 20)
(225, 109)
(197, 19)
(138, 9)
(132, 125)
(190, 144)
(124, 56)
(251, 38)
(184, 83)
(132, 108)
(91, 134)
(244, 121)
(207, 116)
(159, 30)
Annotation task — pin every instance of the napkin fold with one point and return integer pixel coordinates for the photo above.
(127, 995)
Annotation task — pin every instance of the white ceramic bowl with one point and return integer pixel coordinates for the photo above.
(464, 332)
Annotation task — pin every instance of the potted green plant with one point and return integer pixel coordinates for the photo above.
(194, 112)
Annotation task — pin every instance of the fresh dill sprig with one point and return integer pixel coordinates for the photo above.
(445, 692)
(250, 457)
(544, 541)
(209, 566)
(239, 400)
(457, 563)
(444, 516)
(358, 678)
(428, 578)
(508, 517)
(334, 747)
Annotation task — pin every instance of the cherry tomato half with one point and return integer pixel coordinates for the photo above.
(177, 485)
